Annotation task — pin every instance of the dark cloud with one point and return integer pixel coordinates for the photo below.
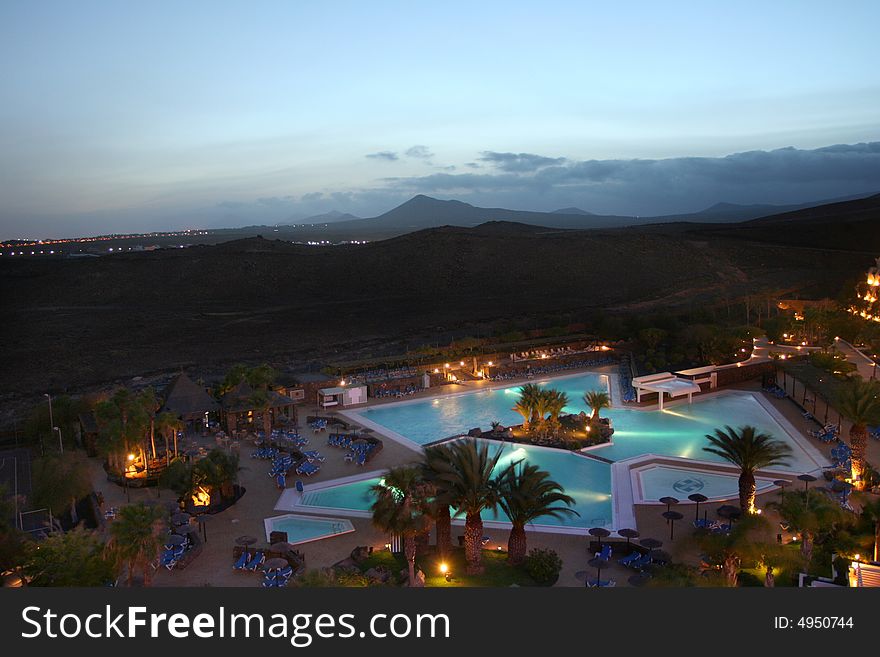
(420, 152)
(389, 156)
(519, 162)
(786, 175)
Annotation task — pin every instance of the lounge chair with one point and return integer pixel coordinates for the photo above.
(299, 486)
(604, 553)
(641, 562)
(601, 583)
(630, 558)
(242, 561)
(255, 562)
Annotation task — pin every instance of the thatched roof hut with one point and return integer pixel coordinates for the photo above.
(188, 400)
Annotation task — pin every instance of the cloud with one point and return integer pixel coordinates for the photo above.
(666, 186)
(388, 156)
(520, 162)
(419, 152)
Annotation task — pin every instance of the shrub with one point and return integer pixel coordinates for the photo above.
(543, 566)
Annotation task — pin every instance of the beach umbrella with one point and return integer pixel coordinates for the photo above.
(628, 534)
(671, 517)
(639, 579)
(600, 533)
(782, 483)
(203, 522)
(697, 498)
(181, 518)
(668, 501)
(175, 539)
(281, 547)
(186, 529)
(245, 541)
(275, 564)
(730, 512)
(806, 478)
(597, 563)
(651, 543)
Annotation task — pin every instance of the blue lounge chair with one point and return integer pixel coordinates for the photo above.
(601, 583)
(630, 558)
(604, 553)
(299, 486)
(242, 561)
(641, 562)
(255, 562)
(281, 481)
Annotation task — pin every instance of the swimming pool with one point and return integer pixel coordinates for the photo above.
(663, 480)
(304, 529)
(426, 420)
(588, 481)
(680, 430)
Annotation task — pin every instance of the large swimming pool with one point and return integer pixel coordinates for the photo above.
(679, 431)
(427, 420)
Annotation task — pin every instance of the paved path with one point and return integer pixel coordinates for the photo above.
(866, 365)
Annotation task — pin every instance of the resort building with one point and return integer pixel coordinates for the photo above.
(242, 410)
(190, 402)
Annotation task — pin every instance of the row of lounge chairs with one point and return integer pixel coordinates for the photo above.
(307, 468)
(840, 457)
(277, 578)
(409, 390)
(528, 372)
(826, 434)
(172, 554)
(249, 562)
(319, 424)
(775, 391)
(359, 450)
(712, 526)
(291, 437)
(265, 453)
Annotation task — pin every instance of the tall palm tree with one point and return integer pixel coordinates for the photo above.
(261, 402)
(556, 403)
(809, 513)
(400, 509)
(471, 489)
(135, 538)
(168, 424)
(527, 405)
(859, 401)
(746, 541)
(750, 450)
(436, 462)
(526, 494)
(597, 400)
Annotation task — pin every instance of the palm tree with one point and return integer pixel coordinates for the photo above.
(436, 462)
(471, 489)
(526, 494)
(808, 513)
(859, 401)
(597, 400)
(260, 401)
(871, 511)
(135, 538)
(555, 404)
(750, 450)
(168, 423)
(746, 541)
(527, 405)
(400, 509)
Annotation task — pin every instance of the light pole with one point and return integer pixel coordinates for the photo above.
(51, 420)
(60, 442)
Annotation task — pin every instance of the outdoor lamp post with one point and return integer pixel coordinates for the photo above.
(60, 442)
(51, 420)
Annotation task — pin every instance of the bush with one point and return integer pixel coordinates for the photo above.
(543, 566)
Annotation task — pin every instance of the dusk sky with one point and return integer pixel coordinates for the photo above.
(127, 116)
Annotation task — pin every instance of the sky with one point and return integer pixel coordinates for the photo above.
(118, 117)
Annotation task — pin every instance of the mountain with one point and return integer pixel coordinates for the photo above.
(325, 218)
(573, 211)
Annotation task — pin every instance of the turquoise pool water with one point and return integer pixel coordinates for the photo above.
(302, 529)
(428, 420)
(588, 481)
(678, 431)
(664, 480)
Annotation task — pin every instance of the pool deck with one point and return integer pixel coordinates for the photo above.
(213, 567)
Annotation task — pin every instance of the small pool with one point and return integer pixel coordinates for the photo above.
(663, 480)
(588, 481)
(304, 529)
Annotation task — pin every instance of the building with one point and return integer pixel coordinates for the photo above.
(190, 402)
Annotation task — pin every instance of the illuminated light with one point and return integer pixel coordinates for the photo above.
(490, 363)
(446, 365)
(605, 347)
(461, 362)
(131, 457)
(436, 370)
(857, 557)
(444, 568)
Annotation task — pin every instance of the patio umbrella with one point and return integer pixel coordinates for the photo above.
(671, 517)
(600, 533)
(730, 512)
(782, 483)
(280, 547)
(668, 501)
(175, 539)
(639, 579)
(597, 563)
(651, 543)
(181, 518)
(245, 541)
(186, 529)
(275, 564)
(697, 498)
(806, 478)
(628, 534)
